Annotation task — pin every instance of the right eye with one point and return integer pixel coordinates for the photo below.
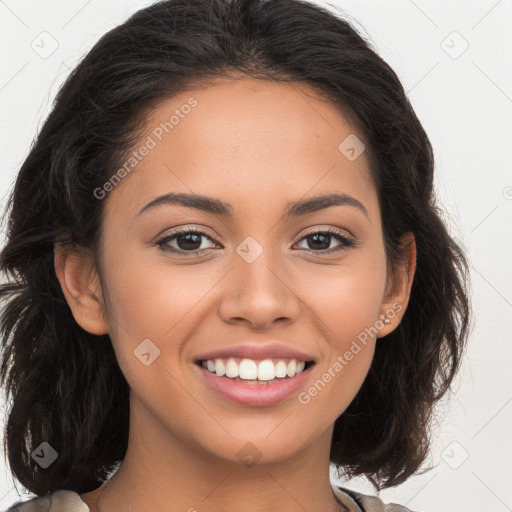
(188, 239)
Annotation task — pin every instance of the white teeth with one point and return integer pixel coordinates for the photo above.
(231, 369)
(248, 369)
(219, 367)
(292, 366)
(281, 369)
(254, 371)
(266, 370)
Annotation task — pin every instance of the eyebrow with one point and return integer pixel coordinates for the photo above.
(217, 207)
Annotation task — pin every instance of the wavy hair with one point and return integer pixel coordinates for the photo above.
(64, 385)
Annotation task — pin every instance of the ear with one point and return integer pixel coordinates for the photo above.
(81, 286)
(398, 288)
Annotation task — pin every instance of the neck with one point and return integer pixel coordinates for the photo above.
(160, 469)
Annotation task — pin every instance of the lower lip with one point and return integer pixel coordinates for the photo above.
(255, 394)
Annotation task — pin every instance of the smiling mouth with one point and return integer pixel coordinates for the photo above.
(250, 371)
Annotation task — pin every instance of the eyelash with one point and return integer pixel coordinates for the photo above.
(347, 243)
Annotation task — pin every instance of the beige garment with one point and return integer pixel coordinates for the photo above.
(58, 501)
(357, 502)
(69, 501)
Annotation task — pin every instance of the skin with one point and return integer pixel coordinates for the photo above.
(256, 145)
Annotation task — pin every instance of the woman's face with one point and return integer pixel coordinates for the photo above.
(259, 275)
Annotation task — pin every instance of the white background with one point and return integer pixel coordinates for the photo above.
(465, 104)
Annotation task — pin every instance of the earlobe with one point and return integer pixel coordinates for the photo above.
(81, 286)
(399, 286)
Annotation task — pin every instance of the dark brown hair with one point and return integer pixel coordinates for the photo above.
(64, 384)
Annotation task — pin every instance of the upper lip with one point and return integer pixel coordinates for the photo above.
(257, 352)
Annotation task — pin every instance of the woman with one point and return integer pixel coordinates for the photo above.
(227, 271)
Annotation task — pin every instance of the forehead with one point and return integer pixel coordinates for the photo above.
(246, 139)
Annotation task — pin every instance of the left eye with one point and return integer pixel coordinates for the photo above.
(320, 237)
(189, 241)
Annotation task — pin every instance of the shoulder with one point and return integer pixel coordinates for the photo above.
(366, 503)
(58, 501)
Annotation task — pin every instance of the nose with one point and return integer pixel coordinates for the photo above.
(260, 293)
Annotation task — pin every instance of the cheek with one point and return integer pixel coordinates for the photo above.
(347, 313)
(149, 299)
(337, 383)
(346, 302)
(152, 301)
(346, 299)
